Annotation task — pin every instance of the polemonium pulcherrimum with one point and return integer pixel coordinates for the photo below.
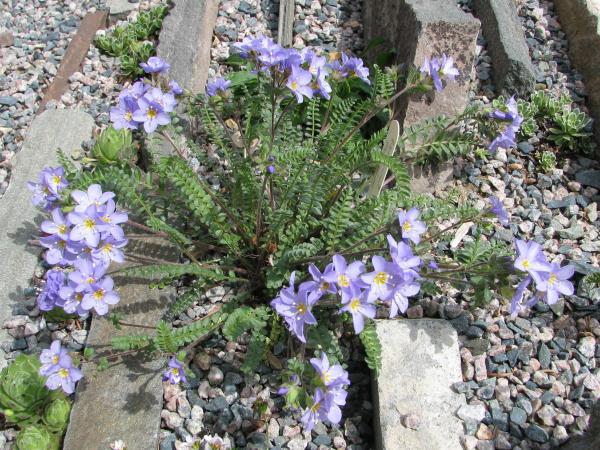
(354, 67)
(151, 114)
(325, 406)
(517, 299)
(85, 227)
(218, 86)
(64, 377)
(175, 373)
(320, 286)
(49, 297)
(498, 209)
(100, 296)
(380, 281)
(109, 220)
(410, 225)
(512, 122)
(299, 82)
(59, 225)
(332, 376)
(345, 275)
(175, 88)
(122, 116)
(356, 302)
(155, 65)
(531, 259)
(94, 196)
(556, 282)
(295, 308)
(52, 357)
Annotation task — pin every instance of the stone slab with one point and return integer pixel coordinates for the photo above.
(185, 40)
(417, 29)
(76, 52)
(580, 19)
(511, 63)
(120, 8)
(19, 219)
(124, 402)
(420, 362)
(589, 178)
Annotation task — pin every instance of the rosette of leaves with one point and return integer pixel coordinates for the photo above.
(37, 437)
(114, 146)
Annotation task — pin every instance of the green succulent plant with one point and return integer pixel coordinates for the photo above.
(37, 437)
(114, 146)
(56, 415)
(23, 396)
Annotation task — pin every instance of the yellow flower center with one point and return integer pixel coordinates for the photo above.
(99, 294)
(301, 309)
(90, 280)
(552, 279)
(62, 244)
(152, 113)
(175, 371)
(106, 219)
(56, 179)
(406, 226)
(89, 224)
(107, 248)
(78, 297)
(380, 278)
(128, 116)
(55, 359)
(343, 281)
(294, 85)
(315, 407)
(64, 373)
(326, 376)
(526, 263)
(324, 286)
(62, 229)
(355, 304)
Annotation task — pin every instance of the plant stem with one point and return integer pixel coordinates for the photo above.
(136, 325)
(147, 229)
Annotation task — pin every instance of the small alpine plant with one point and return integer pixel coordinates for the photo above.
(287, 221)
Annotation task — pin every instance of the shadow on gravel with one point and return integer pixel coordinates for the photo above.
(27, 231)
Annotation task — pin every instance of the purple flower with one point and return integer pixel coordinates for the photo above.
(101, 295)
(122, 116)
(60, 251)
(321, 86)
(250, 47)
(109, 220)
(555, 282)
(499, 211)
(447, 68)
(166, 100)
(151, 114)
(403, 257)
(325, 406)
(312, 62)
(356, 302)
(320, 285)
(353, 67)
(507, 137)
(175, 374)
(58, 226)
(411, 227)
(214, 443)
(52, 358)
(436, 68)
(86, 274)
(52, 181)
(85, 227)
(380, 281)
(345, 276)
(93, 197)
(331, 376)
(175, 88)
(299, 83)
(515, 304)
(55, 179)
(531, 259)
(109, 250)
(49, 297)
(155, 65)
(65, 376)
(72, 299)
(295, 308)
(135, 91)
(271, 54)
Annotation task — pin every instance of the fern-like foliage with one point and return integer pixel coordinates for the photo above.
(155, 271)
(244, 319)
(130, 342)
(372, 346)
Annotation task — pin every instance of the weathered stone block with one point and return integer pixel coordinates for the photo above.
(19, 219)
(124, 402)
(119, 9)
(185, 41)
(418, 29)
(420, 362)
(581, 21)
(513, 70)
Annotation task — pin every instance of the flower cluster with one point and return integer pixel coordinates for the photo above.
(438, 68)
(85, 240)
(147, 103)
(47, 192)
(550, 279)
(329, 395)
(510, 124)
(391, 282)
(304, 73)
(58, 367)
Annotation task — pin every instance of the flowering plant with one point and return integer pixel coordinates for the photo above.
(285, 219)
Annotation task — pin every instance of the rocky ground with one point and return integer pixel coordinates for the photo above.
(530, 382)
